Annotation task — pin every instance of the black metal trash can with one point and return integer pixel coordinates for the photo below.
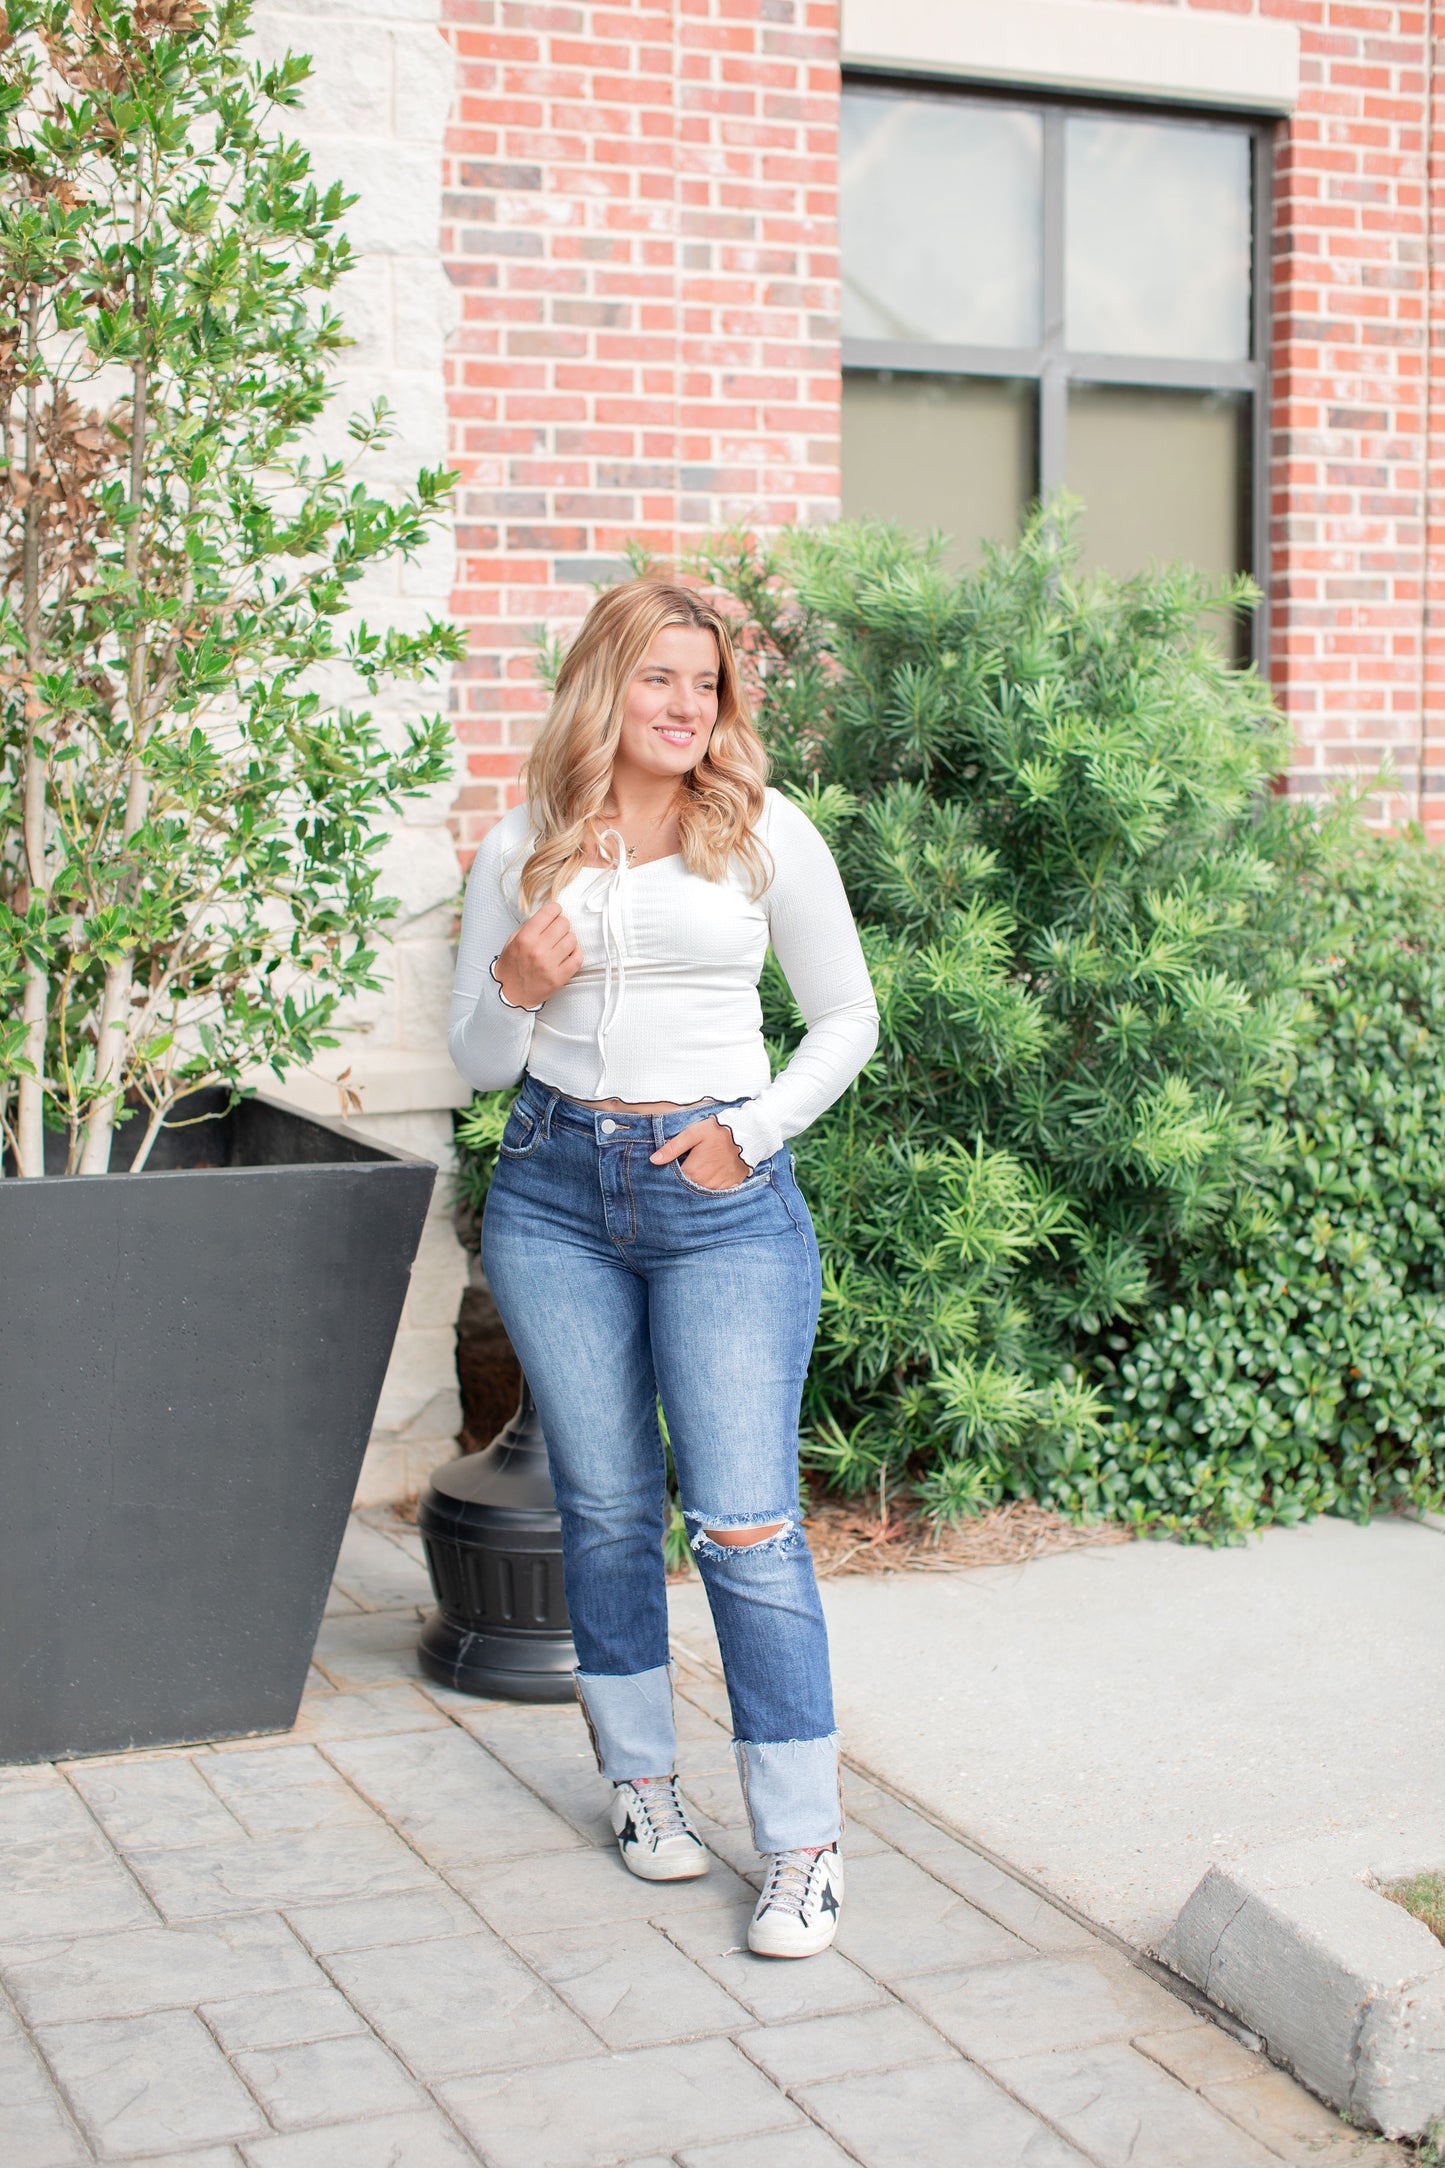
(494, 1551)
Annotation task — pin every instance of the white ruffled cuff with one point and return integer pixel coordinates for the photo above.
(755, 1131)
(520, 1007)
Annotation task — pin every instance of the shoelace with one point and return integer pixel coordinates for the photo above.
(789, 1879)
(662, 1807)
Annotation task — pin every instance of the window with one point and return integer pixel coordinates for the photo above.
(1037, 296)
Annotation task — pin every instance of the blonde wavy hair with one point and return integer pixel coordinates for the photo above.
(569, 771)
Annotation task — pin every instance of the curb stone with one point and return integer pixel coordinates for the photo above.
(1344, 1987)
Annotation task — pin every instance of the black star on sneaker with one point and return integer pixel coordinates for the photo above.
(654, 1835)
(797, 1914)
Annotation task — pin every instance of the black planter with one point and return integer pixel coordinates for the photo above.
(494, 1550)
(190, 1361)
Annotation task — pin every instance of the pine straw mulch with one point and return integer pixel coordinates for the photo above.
(848, 1539)
(845, 1537)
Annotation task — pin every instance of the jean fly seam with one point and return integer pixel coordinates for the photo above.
(627, 1152)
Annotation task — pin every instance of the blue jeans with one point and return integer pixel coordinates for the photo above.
(619, 1283)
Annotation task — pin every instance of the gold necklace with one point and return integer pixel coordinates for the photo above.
(630, 848)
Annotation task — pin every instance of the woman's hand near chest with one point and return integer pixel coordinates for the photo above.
(713, 1159)
(541, 956)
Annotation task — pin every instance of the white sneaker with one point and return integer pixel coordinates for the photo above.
(654, 1835)
(797, 1914)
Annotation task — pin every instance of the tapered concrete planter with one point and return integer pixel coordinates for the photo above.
(190, 1360)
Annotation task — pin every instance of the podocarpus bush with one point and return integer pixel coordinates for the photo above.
(1050, 800)
(191, 806)
(1303, 1371)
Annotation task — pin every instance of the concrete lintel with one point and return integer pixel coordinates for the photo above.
(1107, 48)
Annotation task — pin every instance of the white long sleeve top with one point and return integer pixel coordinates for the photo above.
(666, 1003)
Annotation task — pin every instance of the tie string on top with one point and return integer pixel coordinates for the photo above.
(607, 898)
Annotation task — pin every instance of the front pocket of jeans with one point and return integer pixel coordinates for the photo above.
(522, 1134)
(756, 1180)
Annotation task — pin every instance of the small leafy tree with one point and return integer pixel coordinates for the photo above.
(1050, 801)
(190, 807)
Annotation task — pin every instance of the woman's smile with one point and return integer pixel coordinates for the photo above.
(671, 700)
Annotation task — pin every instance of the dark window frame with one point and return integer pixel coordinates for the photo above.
(1050, 364)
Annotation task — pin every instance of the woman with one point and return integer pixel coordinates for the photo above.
(643, 1234)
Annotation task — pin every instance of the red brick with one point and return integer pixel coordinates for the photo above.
(596, 150)
(670, 169)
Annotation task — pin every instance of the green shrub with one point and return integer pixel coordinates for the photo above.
(1138, 1208)
(1049, 798)
(1305, 1371)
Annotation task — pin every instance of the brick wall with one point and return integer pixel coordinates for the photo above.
(640, 220)
(1357, 390)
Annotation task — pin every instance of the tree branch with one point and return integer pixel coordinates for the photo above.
(30, 1107)
(112, 1037)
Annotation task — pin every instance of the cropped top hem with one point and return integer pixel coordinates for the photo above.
(683, 1087)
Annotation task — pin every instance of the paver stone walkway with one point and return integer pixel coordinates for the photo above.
(400, 1937)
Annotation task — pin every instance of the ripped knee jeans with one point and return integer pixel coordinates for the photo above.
(622, 1284)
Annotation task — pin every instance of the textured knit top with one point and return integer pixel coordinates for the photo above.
(665, 1005)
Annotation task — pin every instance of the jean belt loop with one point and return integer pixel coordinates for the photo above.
(547, 1112)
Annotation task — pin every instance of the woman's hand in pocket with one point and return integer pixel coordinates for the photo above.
(541, 956)
(713, 1160)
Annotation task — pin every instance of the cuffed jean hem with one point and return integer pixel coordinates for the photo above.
(792, 1791)
(629, 1717)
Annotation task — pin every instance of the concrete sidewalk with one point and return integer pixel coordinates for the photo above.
(1115, 1721)
(400, 1937)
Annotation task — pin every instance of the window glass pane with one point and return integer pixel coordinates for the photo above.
(1157, 240)
(940, 220)
(1164, 476)
(950, 452)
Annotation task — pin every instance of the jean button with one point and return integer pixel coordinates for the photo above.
(607, 1128)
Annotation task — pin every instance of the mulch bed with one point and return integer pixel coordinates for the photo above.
(846, 1535)
(845, 1539)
